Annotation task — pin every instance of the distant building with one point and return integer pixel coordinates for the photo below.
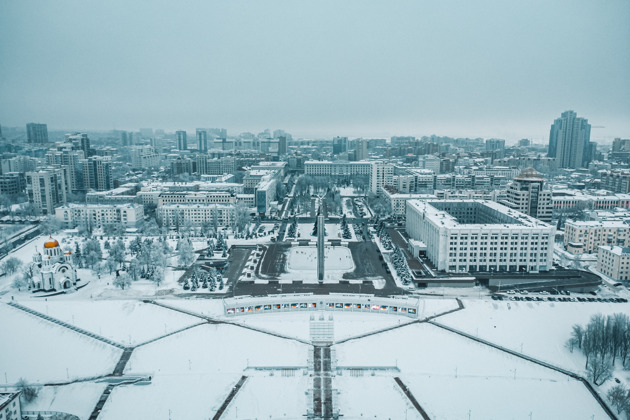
(207, 165)
(461, 236)
(12, 183)
(46, 189)
(614, 262)
(569, 141)
(172, 215)
(182, 141)
(126, 138)
(37, 133)
(10, 408)
(202, 140)
(584, 237)
(97, 173)
(143, 157)
(99, 215)
(339, 145)
(282, 145)
(182, 165)
(361, 149)
(56, 269)
(616, 181)
(495, 144)
(527, 195)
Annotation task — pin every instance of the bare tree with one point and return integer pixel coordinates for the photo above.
(619, 397)
(599, 371)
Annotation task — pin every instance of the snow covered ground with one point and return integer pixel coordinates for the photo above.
(374, 397)
(304, 258)
(261, 395)
(450, 375)
(333, 231)
(128, 322)
(193, 372)
(538, 329)
(78, 399)
(40, 351)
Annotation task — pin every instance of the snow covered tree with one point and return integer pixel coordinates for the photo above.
(134, 269)
(77, 257)
(157, 275)
(111, 265)
(599, 371)
(21, 282)
(117, 252)
(135, 245)
(185, 253)
(123, 280)
(11, 265)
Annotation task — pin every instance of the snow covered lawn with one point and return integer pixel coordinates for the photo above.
(450, 375)
(304, 258)
(373, 397)
(193, 372)
(268, 396)
(40, 351)
(78, 399)
(128, 322)
(538, 329)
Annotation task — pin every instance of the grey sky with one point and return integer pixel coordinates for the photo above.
(320, 68)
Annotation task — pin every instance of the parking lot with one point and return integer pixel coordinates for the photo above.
(562, 296)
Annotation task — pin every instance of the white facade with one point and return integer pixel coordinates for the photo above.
(98, 215)
(469, 235)
(143, 157)
(10, 408)
(197, 197)
(46, 189)
(593, 234)
(614, 261)
(196, 214)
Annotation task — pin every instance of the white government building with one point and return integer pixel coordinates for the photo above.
(462, 236)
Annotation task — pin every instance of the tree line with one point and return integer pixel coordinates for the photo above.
(603, 341)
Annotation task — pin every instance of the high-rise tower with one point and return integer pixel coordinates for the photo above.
(182, 142)
(569, 141)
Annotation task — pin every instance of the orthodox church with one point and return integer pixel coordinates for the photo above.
(56, 270)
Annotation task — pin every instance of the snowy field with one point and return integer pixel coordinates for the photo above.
(261, 395)
(78, 399)
(304, 258)
(538, 329)
(450, 375)
(43, 352)
(193, 372)
(128, 322)
(373, 397)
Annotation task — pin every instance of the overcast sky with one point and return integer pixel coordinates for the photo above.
(319, 68)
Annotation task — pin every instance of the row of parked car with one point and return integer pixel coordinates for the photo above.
(558, 299)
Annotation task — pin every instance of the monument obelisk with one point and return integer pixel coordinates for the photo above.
(320, 244)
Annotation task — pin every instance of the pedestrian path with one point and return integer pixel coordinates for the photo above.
(230, 397)
(66, 325)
